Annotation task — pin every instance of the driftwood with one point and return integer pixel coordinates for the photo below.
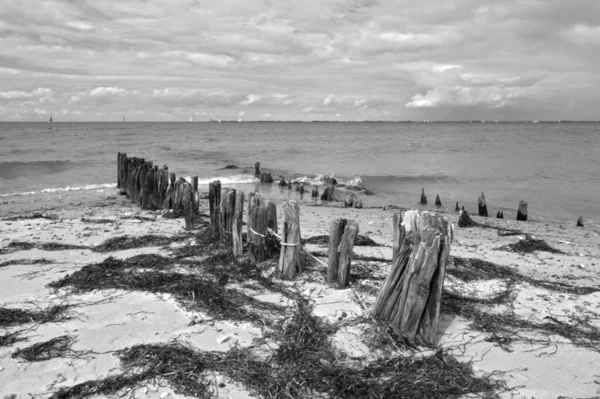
(349, 200)
(214, 202)
(438, 201)
(346, 246)
(410, 297)
(522, 212)
(328, 193)
(464, 220)
(335, 237)
(482, 206)
(423, 200)
(580, 221)
(227, 208)
(237, 222)
(290, 240)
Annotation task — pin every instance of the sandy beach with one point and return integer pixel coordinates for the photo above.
(528, 321)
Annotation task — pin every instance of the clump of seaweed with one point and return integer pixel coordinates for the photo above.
(128, 242)
(14, 316)
(10, 338)
(56, 347)
(98, 221)
(33, 215)
(40, 261)
(48, 246)
(529, 245)
(149, 273)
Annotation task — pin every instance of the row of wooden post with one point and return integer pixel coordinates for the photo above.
(155, 188)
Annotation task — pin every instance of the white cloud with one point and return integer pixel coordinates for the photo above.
(80, 25)
(107, 91)
(218, 61)
(583, 34)
(462, 96)
(40, 92)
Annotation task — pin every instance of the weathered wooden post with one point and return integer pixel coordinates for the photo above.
(456, 208)
(358, 203)
(346, 246)
(335, 237)
(580, 221)
(410, 297)
(226, 215)
(170, 196)
(423, 200)
(257, 248)
(522, 212)
(148, 185)
(196, 194)
(290, 240)
(238, 213)
(464, 220)
(257, 169)
(271, 214)
(214, 201)
(500, 215)
(349, 200)
(482, 207)
(118, 170)
(266, 177)
(253, 201)
(396, 243)
(315, 192)
(438, 201)
(282, 182)
(188, 206)
(328, 193)
(123, 178)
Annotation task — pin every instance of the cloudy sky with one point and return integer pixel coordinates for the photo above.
(299, 60)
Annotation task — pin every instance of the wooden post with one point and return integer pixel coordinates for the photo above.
(315, 192)
(188, 205)
(346, 246)
(257, 249)
(257, 169)
(423, 200)
(118, 170)
(500, 215)
(271, 215)
(335, 237)
(300, 188)
(282, 182)
(396, 243)
(349, 200)
(438, 201)
(328, 193)
(253, 202)
(170, 197)
(580, 221)
(410, 297)
(464, 220)
(226, 215)
(358, 203)
(238, 213)
(290, 240)
(522, 212)
(266, 177)
(214, 201)
(482, 205)
(124, 160)
(196, 194)
(456, 208)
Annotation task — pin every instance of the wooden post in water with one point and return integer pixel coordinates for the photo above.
(335, 237)
(580, 221)
(346, 246)
(315, 192)
(456, 208)
(410, 297)
(522, 212)
(349, 200)
(438, 201)
(226, 215)
(358, 203)
(500, 215)
(238, 213)
(482, 206)
(423, 200)
(290, 240)
(257, 169)
(214, 201)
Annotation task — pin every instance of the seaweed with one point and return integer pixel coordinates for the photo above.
(56, 347)
(10, 338)
(14, 316)
(47, 246)
(128, 242)
(529, 245)
(40, 261)
(150, 273)
(34, 215)
(304, 366)
(99, 221)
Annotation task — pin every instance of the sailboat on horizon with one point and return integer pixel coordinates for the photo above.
(50, 120)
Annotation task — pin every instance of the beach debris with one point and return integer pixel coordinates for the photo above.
(580, 221)
(425, 239)
(56, 347)
(464, 220)
(481, 205)
(14, 316)
(349, 200)
(423, 200)
(328, 193)
(522, 212)
(500, 215)
(257, 170)
(214, 201)
(438, 201)
(289, 260)
(529, 244)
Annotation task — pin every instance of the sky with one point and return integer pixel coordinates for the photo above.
(159, 60)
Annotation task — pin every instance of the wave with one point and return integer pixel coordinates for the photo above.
(13, 170)
(233, 179)
(61, 189)
(320, 180)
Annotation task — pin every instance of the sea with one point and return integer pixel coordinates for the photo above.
(554, 167)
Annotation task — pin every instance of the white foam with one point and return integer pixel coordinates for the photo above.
(234, 179)
(62, 189)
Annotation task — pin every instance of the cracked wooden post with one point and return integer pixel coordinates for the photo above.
(227, 208)
(482, 206)
(271, 215)
(522, 212)
(170, 191)
(118, 170)
(335, 237)
(346, 246)
(423, 200)
(328, 193)
(258, 222)
(410, 297)
(396, 243)
(290, 240)
(196, 194)
(214, 201)
(438, 201)
(238, 213)
(188, 206)
(253, 201)
(123, 174)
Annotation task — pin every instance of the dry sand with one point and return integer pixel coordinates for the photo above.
(537, 365)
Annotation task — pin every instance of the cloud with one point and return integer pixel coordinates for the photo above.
(461, 96)
(582, 34)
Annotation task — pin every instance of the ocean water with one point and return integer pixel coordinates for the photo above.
(553, 166)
